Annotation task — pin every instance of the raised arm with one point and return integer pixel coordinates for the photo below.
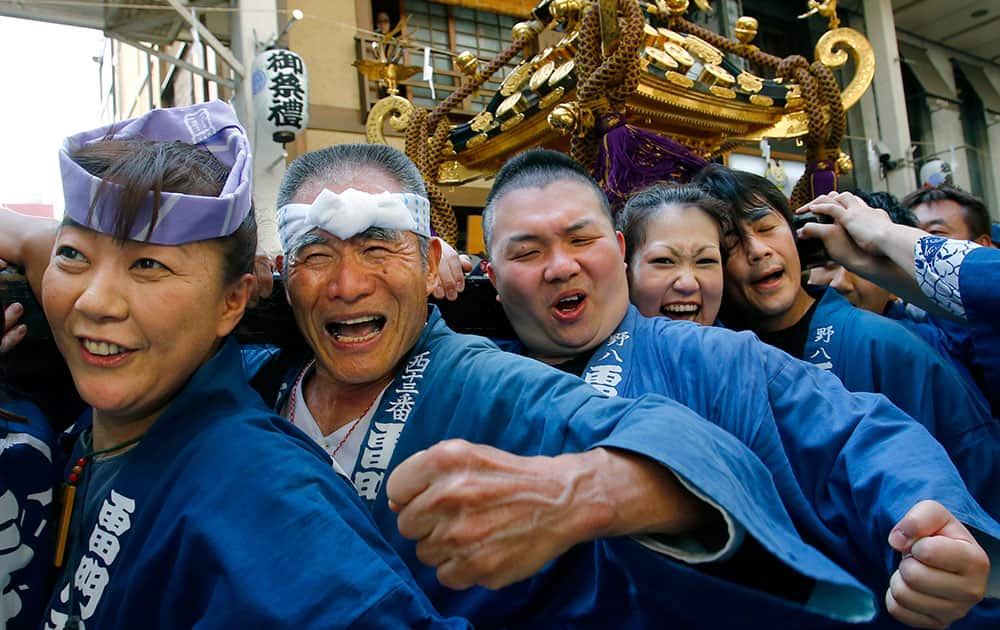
(867, 242)
(846, 450)
(451, 272)
(485, 516)
(27, 241)
(576, 466)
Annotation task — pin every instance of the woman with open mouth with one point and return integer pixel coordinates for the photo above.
(675, 253)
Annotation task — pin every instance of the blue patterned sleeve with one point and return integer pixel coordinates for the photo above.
(936, 261)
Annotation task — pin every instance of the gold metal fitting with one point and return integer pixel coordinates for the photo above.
(682, 80)
(671, 36)
(723, 92)
(540, 79)
(481, 121)
(571, 119)
(530, 28)
(567, 47)
(467, 64)
(476, 140)
(564, 73)
(652, 36)
(746, 29)
(660, 59)
(540, 57)
(566, 10)
(844, 163)
(749, 82)
(516, 119)
(512, 105)
(515, 80)
(760, 99)
(551, 98)
(716, 75)
(703, 50)
(681, 56)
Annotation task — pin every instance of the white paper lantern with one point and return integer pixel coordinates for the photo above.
(280, 88)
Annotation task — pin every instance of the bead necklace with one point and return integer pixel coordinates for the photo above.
(69, 488)
(291, 408)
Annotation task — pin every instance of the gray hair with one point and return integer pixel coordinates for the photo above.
(350, 161)
(346, 161)
(536, 168)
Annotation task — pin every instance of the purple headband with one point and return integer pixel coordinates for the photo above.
(182, 218)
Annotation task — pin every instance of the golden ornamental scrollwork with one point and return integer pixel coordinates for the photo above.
(551, 98)
(481, 121)
(750, 82)
(830, 52)
(679, 79)
(516, 79)
(680, 86)
(398, 109)
(746, 29)
(722, 92)
(508, 124)
(703, 50)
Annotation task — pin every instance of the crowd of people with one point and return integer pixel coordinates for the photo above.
(685, 434)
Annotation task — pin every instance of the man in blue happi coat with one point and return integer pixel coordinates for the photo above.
(217, 514)
(28, 471)
(484, 516)
(951, 339)
(954, 279)
(516, 494)
(764, 294)
(27, 475)
(558, 266)
(950, 212)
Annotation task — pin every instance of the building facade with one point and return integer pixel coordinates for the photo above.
(935, 96)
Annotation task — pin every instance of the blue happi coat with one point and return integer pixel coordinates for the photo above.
(226, 516)
(979, 285)
(870, 353)
(834, 455)
(459, 386)
(952, 340)
(28, 471)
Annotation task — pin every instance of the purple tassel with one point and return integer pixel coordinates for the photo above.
(631, 158)
(822, 177)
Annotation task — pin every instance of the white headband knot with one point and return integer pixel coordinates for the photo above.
(352, 212)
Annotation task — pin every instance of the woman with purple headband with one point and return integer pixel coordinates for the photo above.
(186, 502)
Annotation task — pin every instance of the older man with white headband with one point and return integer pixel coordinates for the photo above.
(185, 502)
(587, 516)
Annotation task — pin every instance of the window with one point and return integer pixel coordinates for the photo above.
(448, 31)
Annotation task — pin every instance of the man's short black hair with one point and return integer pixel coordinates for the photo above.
(745, 192)
(536, 168)
(888, 202)
(977, 218)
